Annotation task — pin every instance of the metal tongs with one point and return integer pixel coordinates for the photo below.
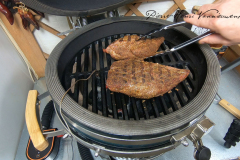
(184, 44)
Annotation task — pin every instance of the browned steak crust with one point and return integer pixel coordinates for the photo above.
(144, 80)
(129, 47)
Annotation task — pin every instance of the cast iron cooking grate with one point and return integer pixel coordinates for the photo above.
(94, 96)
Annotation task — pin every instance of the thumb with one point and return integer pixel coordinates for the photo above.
(215, 39)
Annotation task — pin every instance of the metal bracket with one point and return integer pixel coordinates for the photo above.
(38, 113)
(197, 142)
(198, 130)
(55, 133)
(194, 134)
(97, 149)
(43, 95)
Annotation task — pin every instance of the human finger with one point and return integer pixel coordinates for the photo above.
(200, 21)
(215, 39)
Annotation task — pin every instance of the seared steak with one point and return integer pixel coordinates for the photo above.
(144, 80)
(129, 47)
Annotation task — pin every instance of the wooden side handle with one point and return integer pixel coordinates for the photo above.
(230, 108)
(38, 140)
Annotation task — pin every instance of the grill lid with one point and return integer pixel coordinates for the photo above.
(74, 7)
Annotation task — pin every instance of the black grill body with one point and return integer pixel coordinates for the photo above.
(120, 124)
(74, 7)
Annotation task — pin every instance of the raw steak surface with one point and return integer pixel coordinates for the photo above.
(144, 80)
(129, 47)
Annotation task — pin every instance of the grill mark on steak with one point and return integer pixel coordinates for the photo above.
(142, 72)
(151, 70)
(129, 38)
(133, 73)
(144, 80)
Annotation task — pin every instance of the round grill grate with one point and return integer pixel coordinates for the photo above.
(94, 96)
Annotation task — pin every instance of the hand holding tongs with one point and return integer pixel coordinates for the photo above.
(184, 44)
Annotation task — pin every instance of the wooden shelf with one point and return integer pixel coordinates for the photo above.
(26, 44)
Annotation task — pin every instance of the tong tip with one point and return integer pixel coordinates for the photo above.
(141, 38)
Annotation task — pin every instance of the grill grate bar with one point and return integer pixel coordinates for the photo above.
(78, 69)
(151, 59)
(109, 97)
(191, 75)
(118, 104)
(124, 108)
(85, 83)
(115, 115)
(156, 112)
(186, 90)
(157, 101)
(191, 83)
(110, 94)
(108, 55)
(180, 97)
(134, 108)
(164, 105)
(94, 85)
(129, 107)
(139, 107)
(167, 58)
(172, 101)
(109, 100)
(68, 78)
(171, 57)
(150, 108)
(145, 109)
(102, 80)
(178, 56)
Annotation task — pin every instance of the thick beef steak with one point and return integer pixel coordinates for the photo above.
(130, 47)
(144, 80)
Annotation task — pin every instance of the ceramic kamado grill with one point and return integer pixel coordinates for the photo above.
(113, 123)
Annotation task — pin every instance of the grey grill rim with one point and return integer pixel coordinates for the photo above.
(133, 128)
